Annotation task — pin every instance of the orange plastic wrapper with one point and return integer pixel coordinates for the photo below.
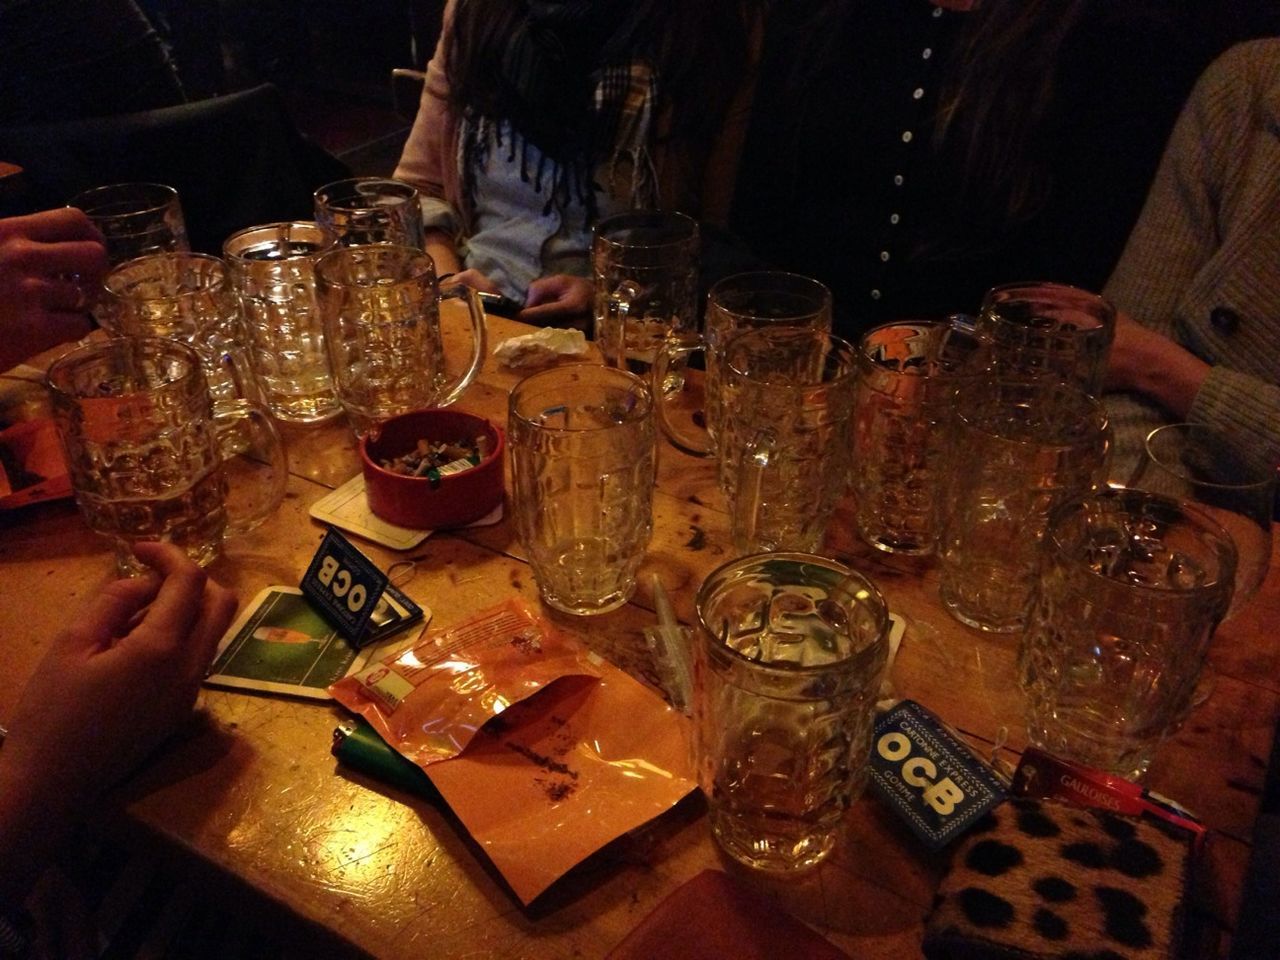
(563, 766)
(428, 701)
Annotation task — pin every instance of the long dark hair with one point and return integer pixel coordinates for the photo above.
(699, 50)
(999, 82)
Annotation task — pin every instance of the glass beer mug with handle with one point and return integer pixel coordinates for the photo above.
(744, 301)
(646, 281)
(186, 297)
(789, 652)
(785, 442)
(135, 219)
(152, 457)
(381, 310)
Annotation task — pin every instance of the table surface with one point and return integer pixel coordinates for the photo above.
(253, 789)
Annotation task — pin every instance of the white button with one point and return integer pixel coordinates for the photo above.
(937, 11)
(906, 136)
(897, 179)
(884, 256)
(875, 294)
(917, 93)
(926, 53)
(893, 218)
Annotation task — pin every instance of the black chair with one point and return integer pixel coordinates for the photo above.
(235, 161)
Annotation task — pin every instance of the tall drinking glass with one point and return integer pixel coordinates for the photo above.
(908, 374)
(745, 301)
(380, 307)
(273, 273)
(1131, 588)
(1207, 467)
(186, 297)
(135, 219)
(784, 449)
(1047, 330)
(1018, 449)
(789, 653)
(371, 210)
(152, 457)
(581, 439)
(646, 283)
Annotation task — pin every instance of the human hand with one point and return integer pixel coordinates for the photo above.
(115, 682)
(1148, 363)
(557, 299)
(51, 266)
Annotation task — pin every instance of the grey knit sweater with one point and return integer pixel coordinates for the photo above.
(1202, 265)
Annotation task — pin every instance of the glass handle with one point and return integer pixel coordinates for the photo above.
(671, 351)
(613, 337)
(253, 461)
(452, 391)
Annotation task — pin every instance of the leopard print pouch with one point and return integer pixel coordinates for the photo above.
(1036, 880)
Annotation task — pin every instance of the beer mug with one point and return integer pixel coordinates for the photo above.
(185, 297)
(785, 442)
(273, 273)
(789, 653)
(135, 219)
(1046, 330)
(741, 302)
(371, 210)
(380, 307)
(908, 373)
(1131, 587)
(1018, 449)
(152, 457)
(583, 461)
(646, 285)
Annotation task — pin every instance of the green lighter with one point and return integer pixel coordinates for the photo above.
(357, 745)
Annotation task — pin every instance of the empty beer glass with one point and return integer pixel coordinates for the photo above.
(784, 450)
(908, 374)
(371, 210)
(789, 651)
(1130, 590)
(152, 457)
(273, 273)
(186, 297)
(646, 284)
(380, 307)
(135, 219)
(581, 439)
(741, 302)
(1017, 450)
(1224, 478)
(1047, 330)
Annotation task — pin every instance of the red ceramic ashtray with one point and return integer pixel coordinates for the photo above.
(427, 503)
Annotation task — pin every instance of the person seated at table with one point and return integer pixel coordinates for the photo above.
(538, 119)
(50, 264)
(912, 155)
(111, 687)
(1198, 284)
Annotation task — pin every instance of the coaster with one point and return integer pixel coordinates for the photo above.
(347, 508)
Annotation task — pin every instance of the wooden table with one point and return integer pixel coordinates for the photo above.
(255, 791)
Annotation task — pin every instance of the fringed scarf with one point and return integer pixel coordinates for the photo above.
(583, 117)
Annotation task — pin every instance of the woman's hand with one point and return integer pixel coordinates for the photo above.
(1148, 363)
(558, 300)
(112, 685)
